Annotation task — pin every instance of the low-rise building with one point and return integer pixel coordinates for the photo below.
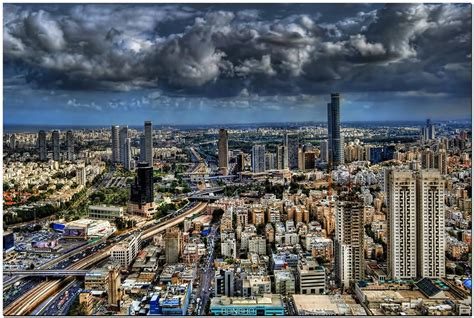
(266, 305)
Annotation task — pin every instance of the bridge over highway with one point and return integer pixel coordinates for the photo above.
(50, 272)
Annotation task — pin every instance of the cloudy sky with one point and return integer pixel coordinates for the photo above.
(240, 63)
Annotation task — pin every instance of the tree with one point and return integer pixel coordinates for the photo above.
(216, 215)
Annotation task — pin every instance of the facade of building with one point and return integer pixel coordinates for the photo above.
(173, 245)
(115, 135)
(123, 135)
(266, 305)
(430, 225)
(42, 146)
(335, 140)
(81, 176)
(311, 278)
(148, 148)
(70, 145)
(223, 147)
(401, 247)
(292, 144)
(258, 158)
(125, 251)
(105, 212)
(56, 145)
(141, 193)
(127, 154)
(349, 241)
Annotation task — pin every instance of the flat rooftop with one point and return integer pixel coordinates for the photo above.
(265, 300)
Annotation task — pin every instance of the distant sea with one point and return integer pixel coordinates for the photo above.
(16, 128)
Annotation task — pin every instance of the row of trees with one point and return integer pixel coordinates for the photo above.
(30, 215)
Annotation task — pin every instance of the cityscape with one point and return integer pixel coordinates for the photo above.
(251, 182)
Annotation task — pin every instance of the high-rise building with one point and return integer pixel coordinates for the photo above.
(173, 245)
(123, 135)
(270, 161)
(56, 145)
(142, 149)
(81, 176)
(115, 144)
(42, 146)
(335, 140)
(148, 143)
(401, 247)
(127, 154)
(240, 166)
(292, 144)
(430, 225)
(429, 131)
(114, 292)
(309, 160)
(258, 158)
(349, 241)
(141, 192)
(223, 148)
(70, 145)
(282, 161)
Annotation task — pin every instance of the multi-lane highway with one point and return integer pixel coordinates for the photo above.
(37, 295)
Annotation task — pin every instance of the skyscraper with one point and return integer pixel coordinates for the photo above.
(270, 161)
(349, 241)
(42, 148)
(292, 144)
(430, 225)
(258, 158)
(70, 145)
(123, 135)
(115, 144)
(280, 158)
(12, 142)
(141, 191)
(401, 247)
(81, 176)
(127, 154)
(323, 148)
(149, 143)
(56, 145)
(335, 141)
(429, 131)
(240, 166)
(223, 146)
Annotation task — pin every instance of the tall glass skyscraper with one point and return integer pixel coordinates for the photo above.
(335, 140)
(223, 147)
(148, 143)
(123, 135)
(70, 145)
(42, 148)
(115, 144)
(56, 145)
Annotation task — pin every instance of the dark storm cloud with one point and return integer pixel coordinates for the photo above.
(218, 51)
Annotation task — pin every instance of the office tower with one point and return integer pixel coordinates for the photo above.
(81, 176)
(173, 245)
(141, 192)
(123, 135)
(114, 292)
(401, 218)
(240, 166)
(309, 160)
(115, 144)
(430, 225)
(349, 241)
(127, 154)
(223, 148)
(42, 147)
(70, 145)
(335, 140)
(224, 282)
(300, 159)
(280, 158)
(429, 131)
(258, 158)
(324, 153)
(56, 145)
(270, 161)
(148, 143)
(292, 146)
(142, 149)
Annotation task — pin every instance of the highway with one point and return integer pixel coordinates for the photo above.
(25, 304)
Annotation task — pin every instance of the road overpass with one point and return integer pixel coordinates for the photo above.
(48, 272)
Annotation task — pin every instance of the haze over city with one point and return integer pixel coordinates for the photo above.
(96, 64)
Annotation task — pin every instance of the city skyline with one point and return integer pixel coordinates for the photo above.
(248, 63)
